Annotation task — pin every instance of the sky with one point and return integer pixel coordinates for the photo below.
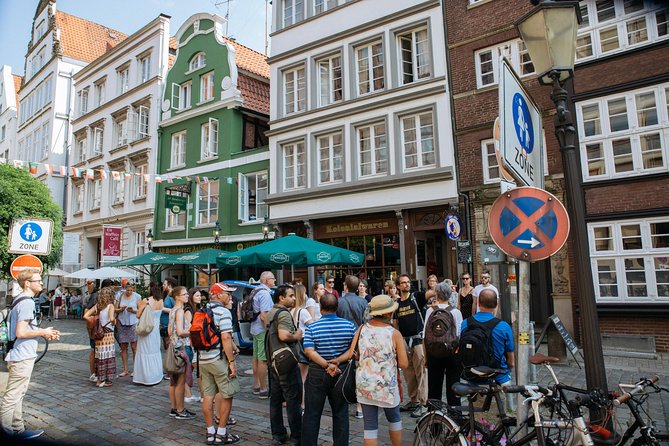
(247, 20)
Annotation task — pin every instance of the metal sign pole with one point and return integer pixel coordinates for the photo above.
(523, 354)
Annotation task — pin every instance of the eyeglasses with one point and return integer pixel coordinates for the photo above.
(485, 277)
(330, 281)
(466, 278)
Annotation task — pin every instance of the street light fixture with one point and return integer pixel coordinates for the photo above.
(549, 33)
(149, 239)
(217, 234)
(265, 229)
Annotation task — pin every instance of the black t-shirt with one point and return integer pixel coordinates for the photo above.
(409, 320)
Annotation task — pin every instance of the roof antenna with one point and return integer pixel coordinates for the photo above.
(218, 4)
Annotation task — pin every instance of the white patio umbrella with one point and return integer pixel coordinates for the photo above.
(106, 272)
(56, 272)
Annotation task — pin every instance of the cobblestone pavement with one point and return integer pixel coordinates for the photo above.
(71, 410)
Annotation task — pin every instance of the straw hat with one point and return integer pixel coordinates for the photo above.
(382, 304)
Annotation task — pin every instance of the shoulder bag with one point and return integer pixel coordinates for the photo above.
(281, 356)
(145, 324)
(345, 384)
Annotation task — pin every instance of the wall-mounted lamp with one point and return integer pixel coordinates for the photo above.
(217, 235)
(265, 229)
(149, 239)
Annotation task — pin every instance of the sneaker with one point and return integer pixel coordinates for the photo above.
(409, 407)
(419, 412)
(166, 377)
(93, 378)
(184, 415)
(256, 390)
(173, 413)
(192, 399)
(358, 414)
(28, 434)
(263, 394)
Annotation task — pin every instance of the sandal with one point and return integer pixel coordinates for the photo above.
(231, 421)
(108, 384)
(228, 438)
(123, 374)
(213, 439)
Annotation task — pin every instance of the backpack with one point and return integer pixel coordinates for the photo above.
(441, 339)
(246, 312)
(281, 357)
(476, 345)
(8, 321)
(204, 334)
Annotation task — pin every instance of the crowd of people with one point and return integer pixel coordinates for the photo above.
(303, 342)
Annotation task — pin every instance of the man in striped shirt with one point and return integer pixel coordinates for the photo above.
(324, 341)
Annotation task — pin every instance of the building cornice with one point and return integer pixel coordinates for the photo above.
(232, 102)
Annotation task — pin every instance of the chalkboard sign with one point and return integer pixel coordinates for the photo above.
(568, 340)
(464, 248)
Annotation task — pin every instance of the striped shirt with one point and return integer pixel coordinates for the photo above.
(223, 319)
(330, 336)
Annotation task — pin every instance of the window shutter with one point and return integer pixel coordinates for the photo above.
(242, 197)
(176, 91)
(143, 123)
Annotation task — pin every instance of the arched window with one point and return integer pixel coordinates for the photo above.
(198, 61)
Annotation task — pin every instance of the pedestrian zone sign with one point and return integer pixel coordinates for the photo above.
(528, 223)
(521, 136)
(31, 236)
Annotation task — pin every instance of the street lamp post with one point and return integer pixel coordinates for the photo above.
(265, 229)
(549, 32)
(217, 235)
(149, 239)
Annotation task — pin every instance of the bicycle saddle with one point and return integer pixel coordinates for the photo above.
(465, 389)
(538, 359)
(486, 372)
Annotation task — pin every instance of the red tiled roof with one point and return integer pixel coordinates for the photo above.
(84, 40)
(255, 93)
(18, 82)
(250, 60)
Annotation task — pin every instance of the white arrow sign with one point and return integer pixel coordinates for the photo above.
(532, 242)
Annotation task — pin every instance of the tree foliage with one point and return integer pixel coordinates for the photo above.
(23, 196)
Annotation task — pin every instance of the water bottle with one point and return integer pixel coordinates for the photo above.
(3, 333)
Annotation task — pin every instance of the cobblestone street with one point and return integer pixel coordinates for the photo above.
(71, 410)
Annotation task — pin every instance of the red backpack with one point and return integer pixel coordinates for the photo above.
(204, 334)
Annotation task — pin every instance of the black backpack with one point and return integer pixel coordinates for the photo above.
(280, 356)
(247, 313)
(476, 345)
(441, 338)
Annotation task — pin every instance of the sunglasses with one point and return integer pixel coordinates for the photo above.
(330, 281)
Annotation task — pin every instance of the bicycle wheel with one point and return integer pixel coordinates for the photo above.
(436, 429)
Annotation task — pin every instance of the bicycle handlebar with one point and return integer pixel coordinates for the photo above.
(526, 389)
(639, 387)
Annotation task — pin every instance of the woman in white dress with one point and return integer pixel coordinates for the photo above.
(149, 360)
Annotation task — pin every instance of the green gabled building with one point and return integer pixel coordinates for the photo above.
(213, 161)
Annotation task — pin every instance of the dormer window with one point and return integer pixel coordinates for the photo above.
(198, 61)
(40, 30)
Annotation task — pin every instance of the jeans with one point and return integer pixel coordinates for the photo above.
(317, 388)
(371, 420)
(286, 388)
(436, 367)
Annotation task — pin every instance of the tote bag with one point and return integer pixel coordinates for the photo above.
(145, 324)
(172, 361)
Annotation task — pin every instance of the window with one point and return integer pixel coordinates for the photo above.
(99, 94)
(207, 86)
(487, 61)
(140, 243)
(178, 157)
(83, 102)
(172, 220)
(610, 26)
(329, 80)
(629, 260)
(78, 198)
(144, 68)
(323, 5)
(490, 165)
(330, 158)
(181, 95)
(139, 184)
(98, 137)
(120, 131)
(198, 61)
(40, 30)
(207, 203)
(117, 190)
(95, 194)
(255, 130)
(293, 11)
(3, 133)
(143, 121)
(372, 149)
(369, 63)
(252, 194)
(624, 134)
(123, 78)
(46, 141)
(81, 147)
(209, 139)
(414, 49)
(294, 160)
(418, 140)
(295, 92)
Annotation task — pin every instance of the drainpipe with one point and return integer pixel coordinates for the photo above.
(66, 143)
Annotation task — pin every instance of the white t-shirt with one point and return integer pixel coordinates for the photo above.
(457, 316)
(477, 290)
(301, 317)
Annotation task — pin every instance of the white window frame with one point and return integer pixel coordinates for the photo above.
(592, 28)
(82, 147)
(328, 165)
(606, 138)
(78, 198)
(99, 93)
(513, 50)
(123, 79)
(295, 90)
(83, 102)
(95, 195)
(121, 131)
(97, 147)
(376, 150)
(258, 182)
(618, 254)
(139, 184)
(207, 87)
(321, 6)
(198, 61)
(140, 243)
(489, 176)
(182, 95)
(330, 81)
(117, 190)
(292, 11)
(419, 119)
(418, 71)
(46, 141)
(290, 156)
(207, 216)
(143, 114)
(369, 68)
(144, 65)
(209, 140)
(178, 150)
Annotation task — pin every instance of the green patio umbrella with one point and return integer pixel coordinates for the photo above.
(290, 250)
(204, 257)
(142, 262)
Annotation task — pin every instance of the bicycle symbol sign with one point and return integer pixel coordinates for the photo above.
(528, 223)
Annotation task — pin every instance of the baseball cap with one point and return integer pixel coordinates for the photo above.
(88, 282)
(221, 287)
(124, 281)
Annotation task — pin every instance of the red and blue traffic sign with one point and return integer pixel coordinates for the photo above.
(528, 223)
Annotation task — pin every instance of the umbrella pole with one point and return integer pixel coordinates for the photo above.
(292, 273)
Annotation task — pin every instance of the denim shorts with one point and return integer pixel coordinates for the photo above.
(371, 418)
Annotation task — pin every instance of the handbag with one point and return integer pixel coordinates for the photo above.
(345, 384)
(172, 361)
(91, 322)
(145, 324)
(99, 330)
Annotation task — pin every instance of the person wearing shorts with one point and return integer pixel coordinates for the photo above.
(218, 370)
(262, 303)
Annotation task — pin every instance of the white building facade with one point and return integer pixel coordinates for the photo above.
(8, 110)
(361, 133)
(114, 142)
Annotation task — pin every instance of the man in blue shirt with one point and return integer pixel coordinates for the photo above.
(262, 304)
(502, 335)
(324, 341)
